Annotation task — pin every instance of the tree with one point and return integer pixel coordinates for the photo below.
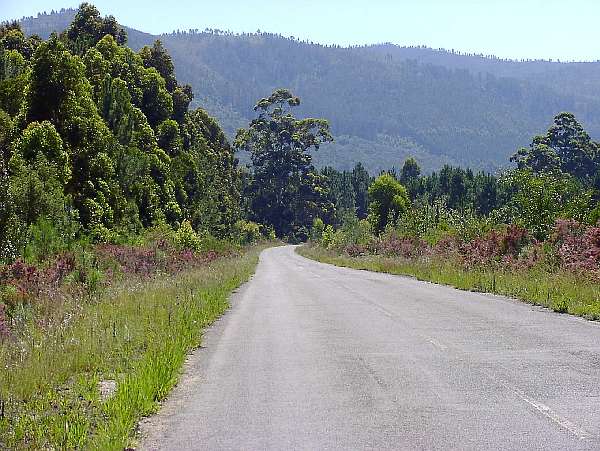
(566, 147)
(538, 200)
(13, 38)
(182, 97)
(6, 137)
(60, 93)
(361, 180)
(99, 141)
(387, 200)
(207, 180)
(539, 157)
(14, 72)
(409, 176)
(410, 171)
(287, 192)
(39, 171)
(158, 58)
(573, 145)
(89, 27)
(6, 214)
(340, 193)
(42, 141)
(157, 104)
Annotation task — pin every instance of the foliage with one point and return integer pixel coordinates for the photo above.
(578, 246)
(566, 147)
(286, 191)
(354, 232)
(88, 27)
(347, 191)
(388, 199)
(136, 334)
(247, 232)
(410, 171)
(98, 139)
(186, 238)
(317, 230)
(538, 200)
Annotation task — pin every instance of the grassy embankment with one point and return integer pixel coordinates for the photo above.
(137, 334)
(563, 292)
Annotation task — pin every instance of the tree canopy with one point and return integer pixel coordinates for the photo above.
(286, 191)
(96, 134)
(388, 199)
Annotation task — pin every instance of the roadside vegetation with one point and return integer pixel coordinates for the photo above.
(122, 233)
(540, 282)
(88, 358)
(531, 233)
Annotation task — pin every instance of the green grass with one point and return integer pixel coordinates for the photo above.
(137, 335)
(562, 292)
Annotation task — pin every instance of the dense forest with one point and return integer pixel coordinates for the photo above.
(97, 138)
(385, 103)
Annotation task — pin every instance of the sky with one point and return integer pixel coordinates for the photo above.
(566, 30)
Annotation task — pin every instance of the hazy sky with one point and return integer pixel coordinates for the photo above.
(558, 29)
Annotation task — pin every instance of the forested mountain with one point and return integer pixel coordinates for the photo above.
(384, 102)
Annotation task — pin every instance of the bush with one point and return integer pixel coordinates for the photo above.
(388, 199)
(353, 232)
(316, 232)
(186, 238)
(246, 232)
(498, 246)
(46, 239)
(161, 235)
(268, 232)
(577, 245)
(299, 234)
(327, 236)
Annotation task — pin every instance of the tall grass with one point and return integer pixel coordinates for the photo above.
(563, 291)
(137, 335)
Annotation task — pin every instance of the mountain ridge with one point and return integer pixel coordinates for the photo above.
(385, 102)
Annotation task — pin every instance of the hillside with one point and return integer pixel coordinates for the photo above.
(384, 102)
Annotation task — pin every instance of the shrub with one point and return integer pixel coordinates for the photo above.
(87, 271)
(299, 234)
(496, 246)
(578, 246)
(160, 236)
(388, 199)
(268, 232)
(46, 239)
(246, 232)
(394, 245)
(353, 231)
(186, 238)
(316, 232)
(327, 236)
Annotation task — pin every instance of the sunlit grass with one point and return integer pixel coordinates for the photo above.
(138, 335)
(562, 292)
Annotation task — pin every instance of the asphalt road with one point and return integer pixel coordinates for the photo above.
(317, 357)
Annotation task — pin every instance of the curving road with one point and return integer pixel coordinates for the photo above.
(314, 357)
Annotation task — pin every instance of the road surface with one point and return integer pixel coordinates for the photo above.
(314, 357)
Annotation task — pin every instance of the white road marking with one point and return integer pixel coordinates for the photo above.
(580, 433)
